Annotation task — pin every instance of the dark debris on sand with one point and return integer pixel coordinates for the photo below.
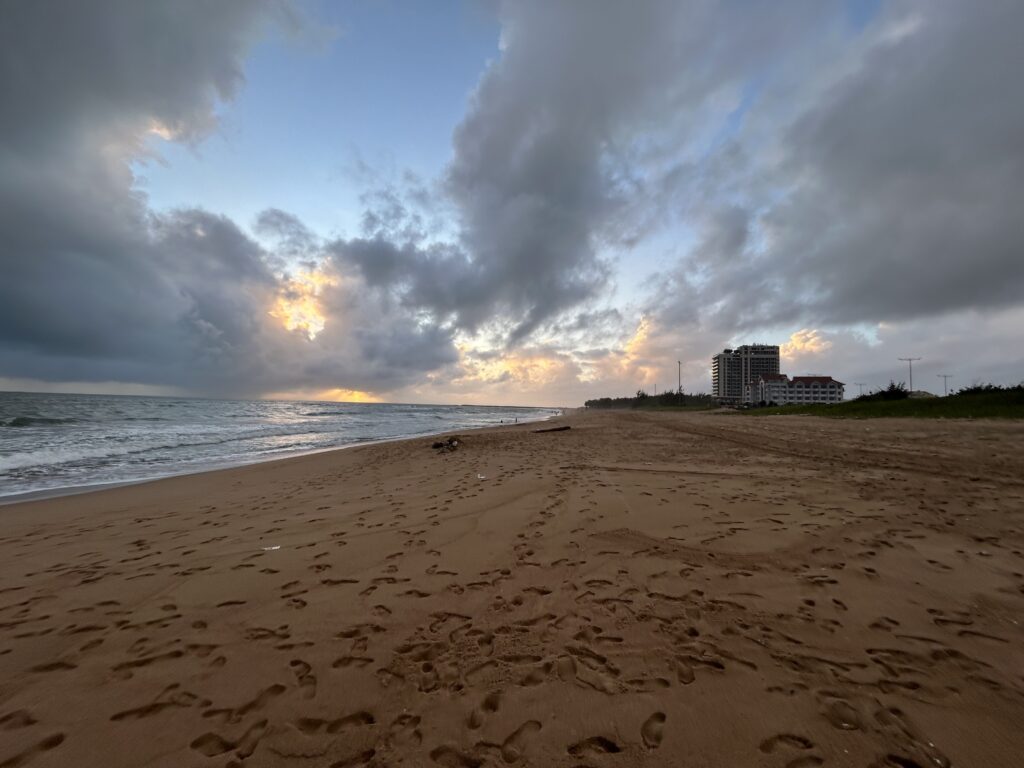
(447, 446)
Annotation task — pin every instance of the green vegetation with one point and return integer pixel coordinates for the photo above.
(676, 401)
(979, 402)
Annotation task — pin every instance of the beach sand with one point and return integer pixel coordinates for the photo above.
(643, 589)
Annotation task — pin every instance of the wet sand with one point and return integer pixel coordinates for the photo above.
(644, 589)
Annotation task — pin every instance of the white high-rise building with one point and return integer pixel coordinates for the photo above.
(733, 369)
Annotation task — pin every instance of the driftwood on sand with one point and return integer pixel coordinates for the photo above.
(445, 446)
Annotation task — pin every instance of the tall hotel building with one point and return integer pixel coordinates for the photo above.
(734, 368)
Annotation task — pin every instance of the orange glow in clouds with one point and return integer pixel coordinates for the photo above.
(633, 363)
(298, 305)
(807, 341)
(526, 369)
(335, 395)
(347, 396)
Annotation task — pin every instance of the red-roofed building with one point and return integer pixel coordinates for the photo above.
(779, 389)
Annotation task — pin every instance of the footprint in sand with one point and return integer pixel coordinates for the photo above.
(212, 744)
(842, 715)
(449, 757)
(653, 730)
(405, 730)
(684, 672)
(312, 725)
(352, 661)
(594, 746)
(363, 758)
(23, 758)
(785, 740)
(489, 706)
(235, 715)
(307, 681)
(18, 719)
(512, 748)
(169, 698)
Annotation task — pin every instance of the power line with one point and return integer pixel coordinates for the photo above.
(910, 362)
(860, 386)
(945, 382)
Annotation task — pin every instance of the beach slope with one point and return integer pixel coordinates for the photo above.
(642, 589)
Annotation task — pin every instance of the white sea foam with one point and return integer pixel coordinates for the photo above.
(54, 441)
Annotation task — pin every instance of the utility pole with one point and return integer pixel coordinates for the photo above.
(679, 389)
(910, 363)
(860, 387)
(945, 382)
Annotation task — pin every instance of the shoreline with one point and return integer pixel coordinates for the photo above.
(75, 490)
(644, 589)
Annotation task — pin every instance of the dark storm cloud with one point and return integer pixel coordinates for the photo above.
(179, 304)
(95, 286)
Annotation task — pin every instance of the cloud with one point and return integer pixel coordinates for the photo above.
(95, 286)
(98, 287)
(807, 342)
(562, 137)
(288, 234)
(910, 170)
(892, 191)
(846, 189)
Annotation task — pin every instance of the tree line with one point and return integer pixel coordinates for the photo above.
(643, 400)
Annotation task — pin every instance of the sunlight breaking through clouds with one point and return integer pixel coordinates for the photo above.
(807, 341)
(298, 305)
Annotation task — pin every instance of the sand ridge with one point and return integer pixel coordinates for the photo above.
(644, 589)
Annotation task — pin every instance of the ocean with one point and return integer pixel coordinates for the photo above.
(54, 442)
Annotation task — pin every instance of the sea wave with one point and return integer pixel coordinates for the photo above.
(54, 441)
(35, 421)
(52, 457)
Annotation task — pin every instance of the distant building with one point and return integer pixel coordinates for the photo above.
(767, 388)
(779, 389)
(734, 368)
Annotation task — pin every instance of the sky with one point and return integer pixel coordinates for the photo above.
(524, 203)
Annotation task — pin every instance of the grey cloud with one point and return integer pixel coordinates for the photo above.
(94, 285)
(289, 234)
(914, 167)
(435, 278)
(894, 193)
(527, 173)
(97, 287)
(600, 320)
(407, 347)
(541, 177)
(179, 303)
(71, 68)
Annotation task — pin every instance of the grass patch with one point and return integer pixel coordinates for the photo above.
(1000, 404)
(658, 407)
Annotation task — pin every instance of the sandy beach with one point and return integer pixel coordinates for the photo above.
(642, 589)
